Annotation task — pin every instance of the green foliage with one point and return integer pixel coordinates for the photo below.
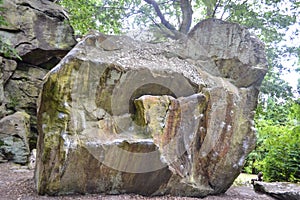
(7, 50)
(278, 145)
(268, 19)
(277, 122)
(282, 162)
(86, 15)
(298, 86)
(13, 102)
(276, 88)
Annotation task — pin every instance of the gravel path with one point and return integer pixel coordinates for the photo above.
(16, 183)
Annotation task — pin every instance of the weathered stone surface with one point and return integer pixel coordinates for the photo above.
(226, 50)
(40, 32)
(14, 133)
(121, 116)
(7, 67)
(279, 190)
(22, 90)
(38, 29)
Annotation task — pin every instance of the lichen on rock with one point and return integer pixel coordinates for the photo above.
(14, 138)
(151, 119)
(40, 33)
(38, 30)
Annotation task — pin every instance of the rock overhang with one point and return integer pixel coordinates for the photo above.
(39, 31)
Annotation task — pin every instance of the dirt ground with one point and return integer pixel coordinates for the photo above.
(16, 183)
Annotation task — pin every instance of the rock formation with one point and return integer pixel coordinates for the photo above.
(38, 29)
(279, 190)
(121, 116)
(14, 134)
(41, 34)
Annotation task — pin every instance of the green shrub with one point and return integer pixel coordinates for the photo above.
(7, 50)
(282, 162)
(278, 145)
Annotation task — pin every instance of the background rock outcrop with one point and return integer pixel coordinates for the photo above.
(38, 29)
(40, 32)
(121, 116)
(14, 134)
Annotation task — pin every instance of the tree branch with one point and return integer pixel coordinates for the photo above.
(225, 9)
(187, 13)
(170, 27)
(162, 29)
(216, 7)
(160, 15)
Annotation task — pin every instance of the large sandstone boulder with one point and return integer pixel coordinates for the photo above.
(121, 116)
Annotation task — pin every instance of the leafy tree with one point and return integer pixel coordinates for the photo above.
(275, 88)
(176, 17)
(277, 122)
(269, 19)
(270, 120)
(104, 16)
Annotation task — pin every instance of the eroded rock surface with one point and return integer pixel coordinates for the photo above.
(14, 138)
(279, 190)
(7, 67)
(38, 29)
(121, 116)
(40, 32)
